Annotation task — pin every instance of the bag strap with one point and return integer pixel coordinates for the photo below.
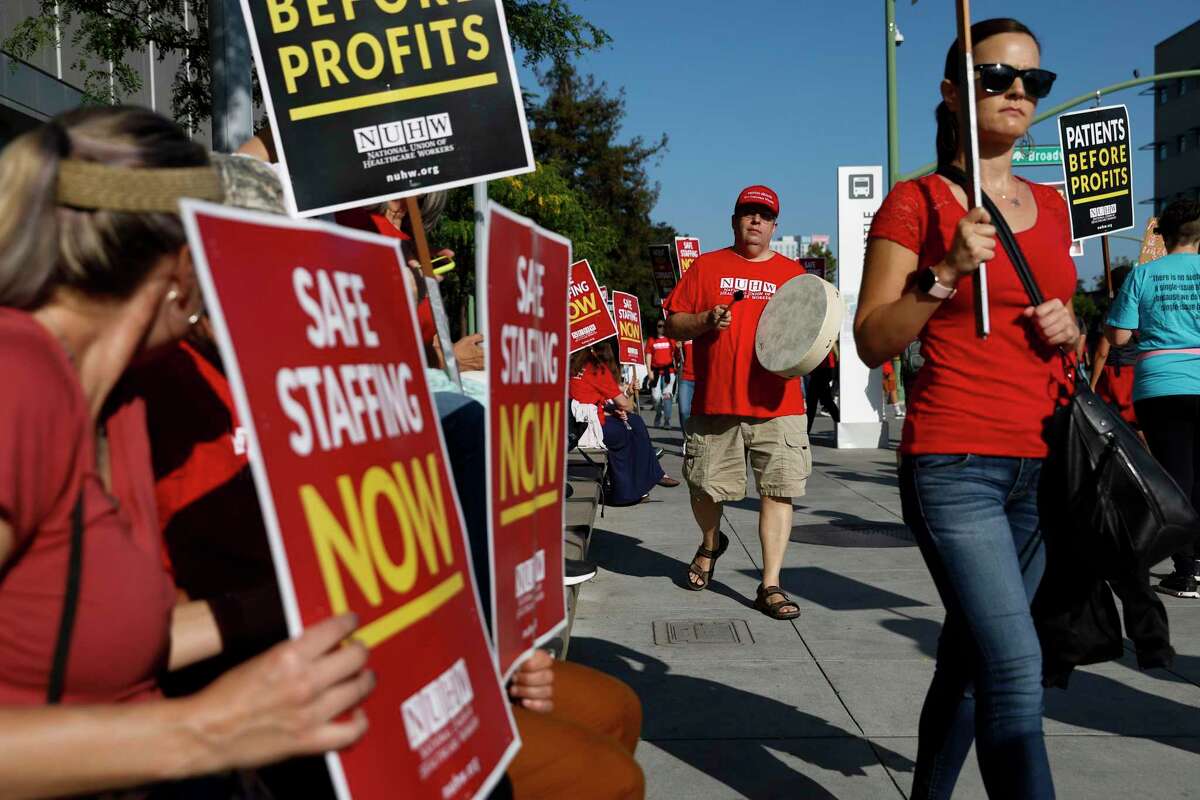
(1004, 233)
(66, 624)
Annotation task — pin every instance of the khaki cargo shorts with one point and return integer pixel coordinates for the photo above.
(716, 449)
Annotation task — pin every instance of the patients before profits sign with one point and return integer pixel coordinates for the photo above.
(377, 99)
(359, 504)
(1097, 170)
(586, 309)
(524, 282)
(629, 329)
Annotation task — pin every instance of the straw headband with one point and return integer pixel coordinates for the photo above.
(86, 184)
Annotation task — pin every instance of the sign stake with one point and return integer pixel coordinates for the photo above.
(968, 136)
(1107, 266)
(440, 321)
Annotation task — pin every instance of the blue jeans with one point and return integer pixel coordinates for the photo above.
(975, 519)
(663, 384)
(686, 390)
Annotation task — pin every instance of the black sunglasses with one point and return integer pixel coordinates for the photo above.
(764, 213)
(996, 78)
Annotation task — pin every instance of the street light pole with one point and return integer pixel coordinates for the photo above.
(889, 50)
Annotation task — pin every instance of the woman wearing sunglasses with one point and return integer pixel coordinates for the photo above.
(973, 446)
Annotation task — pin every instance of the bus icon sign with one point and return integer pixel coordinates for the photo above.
(862, 187)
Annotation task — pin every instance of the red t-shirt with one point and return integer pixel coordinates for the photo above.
(661, 350)
(985, 396)
(47, 454)
(689, 369)
(363, 220)
(594, 385)
(729, 379)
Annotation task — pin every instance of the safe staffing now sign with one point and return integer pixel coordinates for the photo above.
(629, 329)
(523, 286)
(586, 309)
(687, 250)
(356, 492)
(377, 99)
(1098, 170)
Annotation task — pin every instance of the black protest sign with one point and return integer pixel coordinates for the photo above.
(376, 99)
(1098, 170)
(662, 267)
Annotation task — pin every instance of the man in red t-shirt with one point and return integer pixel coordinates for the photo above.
(660, 358)
(739, 408)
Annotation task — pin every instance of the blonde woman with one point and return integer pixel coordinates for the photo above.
(95, 275)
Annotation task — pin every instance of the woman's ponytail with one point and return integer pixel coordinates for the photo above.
(947, 134)
(28, 218)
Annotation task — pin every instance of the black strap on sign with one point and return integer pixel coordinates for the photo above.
(66, 624)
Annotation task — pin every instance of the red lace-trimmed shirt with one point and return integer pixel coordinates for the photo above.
(986, 396)
(47, 459)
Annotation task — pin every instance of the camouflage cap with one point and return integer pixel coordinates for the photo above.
(249, 183)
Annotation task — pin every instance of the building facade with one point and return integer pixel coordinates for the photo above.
(797, 246)
(50, 82)
(1177, 120)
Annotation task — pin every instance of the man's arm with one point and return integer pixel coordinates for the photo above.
(689, 326)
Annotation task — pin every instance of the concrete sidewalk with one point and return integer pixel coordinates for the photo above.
(738, 705)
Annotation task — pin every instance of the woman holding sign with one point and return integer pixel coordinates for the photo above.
(95, 275)
(973, 446)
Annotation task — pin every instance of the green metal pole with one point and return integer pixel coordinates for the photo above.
(1075, 101)
(889, 49)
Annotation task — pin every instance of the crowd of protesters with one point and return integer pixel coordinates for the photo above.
(129, 517)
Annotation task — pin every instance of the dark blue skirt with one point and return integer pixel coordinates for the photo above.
(632, 468)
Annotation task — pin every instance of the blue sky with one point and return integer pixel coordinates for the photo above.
(783, 91)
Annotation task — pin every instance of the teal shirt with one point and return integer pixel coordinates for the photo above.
(1161, 301)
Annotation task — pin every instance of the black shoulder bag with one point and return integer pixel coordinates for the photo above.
(1100, 486)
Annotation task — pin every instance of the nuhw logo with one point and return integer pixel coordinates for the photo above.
(400, 132)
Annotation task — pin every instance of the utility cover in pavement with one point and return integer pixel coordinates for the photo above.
(859, 534)
(702, 632)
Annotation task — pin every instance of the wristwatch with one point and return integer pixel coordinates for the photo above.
(928, 283)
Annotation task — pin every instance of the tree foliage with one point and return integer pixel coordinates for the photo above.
(818, 250)
(111, 31)
(578, 126)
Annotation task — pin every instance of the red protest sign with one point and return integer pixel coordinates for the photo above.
(590, 320)
(524, 320)
(356, 493)
(687, 250)
(629, 329)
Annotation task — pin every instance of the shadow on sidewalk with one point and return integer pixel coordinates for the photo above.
(1093, 701)
(625, 555)
(837, 592)
(696, 714)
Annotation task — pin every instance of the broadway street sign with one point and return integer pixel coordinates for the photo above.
(1042, 155)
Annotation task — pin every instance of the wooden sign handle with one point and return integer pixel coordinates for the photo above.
(418, 233)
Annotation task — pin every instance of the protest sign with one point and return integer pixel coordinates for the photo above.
(687, 250)
(662, 268)
(1060, 187)
(358, 501)
(523, 306)
(1153, 245)
(376, 100)
(589, 316)
(629, 329)
(1097, 170)
(813, 265)
(604, 293)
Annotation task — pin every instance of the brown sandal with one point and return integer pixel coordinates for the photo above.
(772, 610)
(703, 552)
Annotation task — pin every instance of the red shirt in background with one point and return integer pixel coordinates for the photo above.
(689, 369)
(985, 396)
(661, 350)
(595, 385)
(729, 379)
(47, 455)
(363, 220)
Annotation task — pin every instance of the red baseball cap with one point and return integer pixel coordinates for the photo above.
(759, 196)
